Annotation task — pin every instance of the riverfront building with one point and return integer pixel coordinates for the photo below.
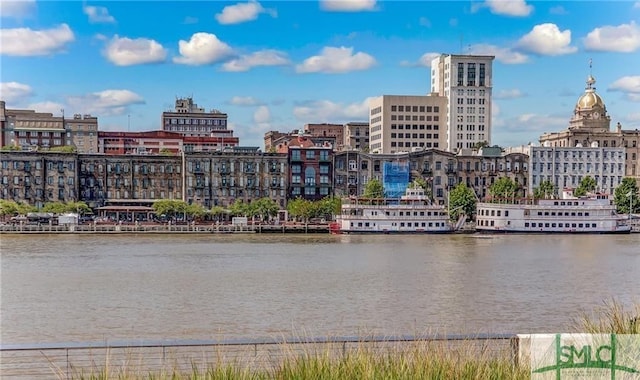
(38, 178)
(590, 126)
(466, 81)
(405, 123)
(566, 166)
(356, 136)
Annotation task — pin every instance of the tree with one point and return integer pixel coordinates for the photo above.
(170, 207)
(374, 189)
(626, 196)
(265, 208)
(328, 207)
(461, 200)
(587, 185)
(218, 212)
(544, 191)
(239, 208)
(504, 187)
(300, 208)
(480, 144)
(55, 207)
(9, 148)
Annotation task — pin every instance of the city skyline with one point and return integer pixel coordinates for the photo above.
(279, 65)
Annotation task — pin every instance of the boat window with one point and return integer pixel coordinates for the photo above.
(492, 223)
(593, 225)
(424, 224)
(579, 214)
(546, 225)
(493, 212)
(586, 214)
(573, 225)
(508, 222)
(366, 224)
(506, 212)
(402, 224)
(499, 212)
(580, 225)
(562, 203)
(540, 213)
(573, 214)
(555, 203)
(526, 224)
(430, 224)
(421, 213)
(553, 224)
(546, 213)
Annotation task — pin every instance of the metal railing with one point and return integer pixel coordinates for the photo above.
(140, 358)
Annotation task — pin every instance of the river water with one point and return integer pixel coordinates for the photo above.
(95, 288)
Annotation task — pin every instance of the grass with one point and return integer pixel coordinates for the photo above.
(472, 360)
(609, 318)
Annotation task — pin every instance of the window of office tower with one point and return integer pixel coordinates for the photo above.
(471, 74)
(482, 75)
(460, 74)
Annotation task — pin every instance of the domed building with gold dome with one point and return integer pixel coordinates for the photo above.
(590, 126)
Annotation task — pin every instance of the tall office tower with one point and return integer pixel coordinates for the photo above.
(466, 81)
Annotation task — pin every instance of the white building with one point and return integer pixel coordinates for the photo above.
(405, 123)
(566, 166)
(466, 81)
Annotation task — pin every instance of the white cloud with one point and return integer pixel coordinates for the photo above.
(28, 42)
(14, 92)
(532, 122)
(504, 55)
(515, 8)
(262, 115)
(637, 5)
(127, 52)
(242, 12)
(202, 49)
(17, 9)
(624, 38)
(509, 94)
(547, 39)
(105, 103)
(336, 60)
(327, 111)
(98, 14)
(630, 85)
(244, 101)
(347, 5)
(425, 22)
(259, 58)
(47, 106)
(423, 61)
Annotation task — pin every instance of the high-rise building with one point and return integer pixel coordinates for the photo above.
(405, 123)
(466, 81)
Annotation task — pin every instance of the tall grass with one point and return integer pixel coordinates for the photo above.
(407, 360)
(609, 318)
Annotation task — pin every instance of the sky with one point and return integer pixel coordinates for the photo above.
(277, 65)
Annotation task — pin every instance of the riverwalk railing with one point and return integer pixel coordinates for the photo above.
(119, 228)
(140, 358)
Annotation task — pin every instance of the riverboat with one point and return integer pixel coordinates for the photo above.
(413, 212)
(594, 214)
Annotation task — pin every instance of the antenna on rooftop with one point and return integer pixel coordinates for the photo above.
(590, 66)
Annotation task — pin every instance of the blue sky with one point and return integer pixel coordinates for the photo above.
(275, 65)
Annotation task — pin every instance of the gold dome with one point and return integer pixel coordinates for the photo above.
(589, 100)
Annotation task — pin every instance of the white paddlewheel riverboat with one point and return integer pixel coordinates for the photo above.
(590, 214)
(411, 213)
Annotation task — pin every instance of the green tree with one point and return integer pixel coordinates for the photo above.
(170, 207)
(545, 191)
(374, 189)
(587, 185)
(265, 208)
(480, 144)
(626, 196)
(504, 187)
(218, 212)
(55, 207)
(239, 208)
(461, 200)
(8, 208)
(196, 211)
(300, 208)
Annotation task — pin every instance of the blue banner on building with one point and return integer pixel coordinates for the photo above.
(395, 178)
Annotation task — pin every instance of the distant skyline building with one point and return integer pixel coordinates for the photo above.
(406, 123)
(192, 121)
(467, 83)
